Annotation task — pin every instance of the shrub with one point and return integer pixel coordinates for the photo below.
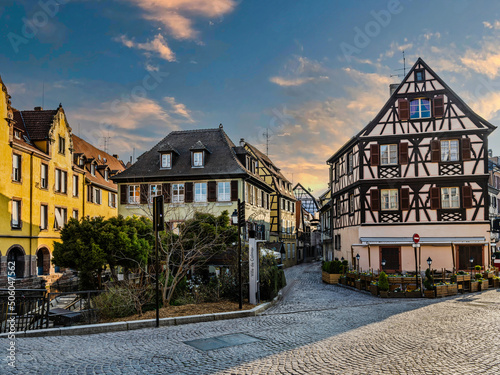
(335, 267)
(326, 266)
(477, 267)
(115, 302)
(478, 276)
(383, 281)
(429, 280)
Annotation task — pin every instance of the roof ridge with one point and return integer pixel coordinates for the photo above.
(193, 131)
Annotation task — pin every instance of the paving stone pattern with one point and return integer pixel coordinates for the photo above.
(315, 329)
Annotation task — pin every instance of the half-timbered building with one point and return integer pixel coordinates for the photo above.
(420, 166)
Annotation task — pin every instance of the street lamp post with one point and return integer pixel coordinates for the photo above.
(471, 260)
(357, 258)
(235, 216)
(383, 264)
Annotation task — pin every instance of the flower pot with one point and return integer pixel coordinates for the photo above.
(331, 278)
(374, 290)
(474, 286)
(358, 284)
(384, 293)
(483, 285)
(452, 289)
(441, 291)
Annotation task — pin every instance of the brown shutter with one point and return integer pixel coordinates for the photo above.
(144, 193)
(405, 199)
(435, 198)
(374, 200)
(465, 148)
(123, 194)
(234, 190)
(189, 192)
(165, 189)
(404, 109)
(212, 191)
(467, 196)
(438, 106)
(403, 153)
(374, 154)
(435, 150)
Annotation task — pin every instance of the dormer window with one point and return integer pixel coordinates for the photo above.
(106, 175)
(17, 134)
(166, 160)
(92, 169)
(420, 75)
(198, 159)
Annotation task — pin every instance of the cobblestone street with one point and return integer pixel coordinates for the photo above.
(316, 329)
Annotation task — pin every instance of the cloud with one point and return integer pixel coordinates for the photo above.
(158, 45)
(16, 88)
(177, 15)
(495, 25)
(485, 60)
(179, 109)
(300, 70)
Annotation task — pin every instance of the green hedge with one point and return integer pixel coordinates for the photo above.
(335, 266)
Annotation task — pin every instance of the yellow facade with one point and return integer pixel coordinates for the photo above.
(37, 196)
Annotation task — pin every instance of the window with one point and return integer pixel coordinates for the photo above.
(198, 159)
(44, 176)
(111, 200)
(293, 250)
(288, 251)
(224, 191)
(389, 199)
(449, 150)
(61, 215)
(61, 181)
(351, 203)
(388, 154)
(200, 192)
(16, 167)
(166, 160)
(97, 196)
(17, 134)
(75, 185)
(106, 175)
(419, 75)
(92, 169)
(420, 108)
(282, 226)
(450, 197)
(134, 194)
(16, 214)
(178, 193)
(391, 255)
(337, 171)
(75, 214)
(62, 145)
(350, 166)
(44, 217)
(154, 191)
(250, 194)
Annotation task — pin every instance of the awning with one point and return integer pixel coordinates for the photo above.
(365, 241)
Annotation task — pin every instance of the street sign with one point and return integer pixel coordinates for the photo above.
(416, 238)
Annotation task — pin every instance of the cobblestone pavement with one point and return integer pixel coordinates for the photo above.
(316, 329)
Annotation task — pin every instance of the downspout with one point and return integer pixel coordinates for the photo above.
(31, 211)
(83, 195)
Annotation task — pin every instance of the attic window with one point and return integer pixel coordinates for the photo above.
(420, 75)
(62, 145)
(420, 108)
(166, 160)
(92, 169)
(198, 159)
(106, 175)
(17, 134)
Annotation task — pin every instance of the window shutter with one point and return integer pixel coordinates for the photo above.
(374, 154)
(165, 189)
(404, 109)
(467, 196)
(435, 151)
(435, 199)
(189, 192)
(212, 191)
(438, 106)
(123, 194)
(374, 200)
(234, 190)
(144, 193)
(403, 153)
(405, 199)
(466, 149)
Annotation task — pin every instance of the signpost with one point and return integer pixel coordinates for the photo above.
(158, 225)
(253, 263)
(416, 240)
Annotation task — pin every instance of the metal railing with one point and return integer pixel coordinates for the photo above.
(23, 310)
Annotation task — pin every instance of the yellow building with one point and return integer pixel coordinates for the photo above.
(44, 182)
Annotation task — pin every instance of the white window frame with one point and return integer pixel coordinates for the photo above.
(446, 150)
(60, 217)
(44, 176)
(389, 199)
(197, 159)
(92, 169)
(97, 195)
(134, 194)
(16, 167)
(111, 199)
(385, 154)
(44, 217)
(224, 191)
(75, 214)
(200, 192)
(106, 175)
(75, 185)
(450, 197)
(15, 219)
(177, 197)
(154, 191)
(166, 160)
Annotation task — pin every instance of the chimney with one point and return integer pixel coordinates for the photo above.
(115, 156)
(38, 109)
(242, 142)
(392, 88)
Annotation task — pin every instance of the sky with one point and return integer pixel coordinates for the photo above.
(299, 77)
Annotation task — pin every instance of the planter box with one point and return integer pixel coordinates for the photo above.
(483, 285)
(413, 294)
(374, 290)
(496, 283)
(358, 284)
(488, 275)
(429, 294)
(441, 291)
(461, 278)
(474, 286)
(384, 294)
(393, 286)
(395, 280)
(398, 295)
(331, 278)
(452, 289)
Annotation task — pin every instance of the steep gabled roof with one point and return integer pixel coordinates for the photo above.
(38, 123)
(309, 203)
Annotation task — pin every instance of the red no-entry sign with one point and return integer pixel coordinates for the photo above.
(416, 238)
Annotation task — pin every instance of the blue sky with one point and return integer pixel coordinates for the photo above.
(311, 72)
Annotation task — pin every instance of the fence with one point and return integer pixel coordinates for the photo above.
(23, 309)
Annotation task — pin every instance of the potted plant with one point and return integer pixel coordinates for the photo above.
(332, 272)
(429, 291)
(374, 288)
(383, 285)
(441, 289)
(415, 293)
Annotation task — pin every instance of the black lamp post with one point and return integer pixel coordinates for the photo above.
(357, 258)
(429, 262)
(383, 264)
(471, 260)
(234, 220)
